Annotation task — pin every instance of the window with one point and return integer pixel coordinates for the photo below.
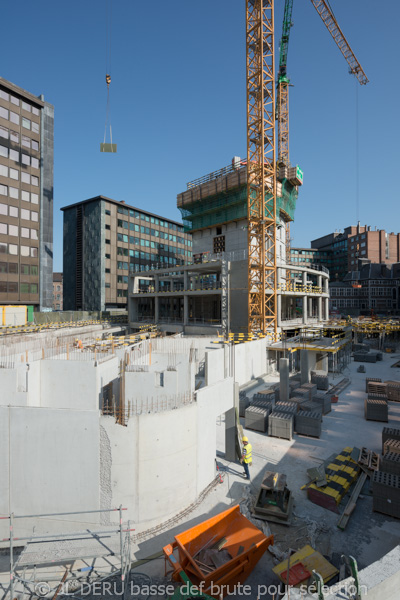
(25, 214)
(34, 288)
(25, 177)
(14, 155)
(34, 252)
(34, 234)
(34, 269)
(24, 269)
(34, 180)
(14, 174)
(108, 255)
(108, 227)
(14, 136)
(24, 232)
(14, 100)
(35, 111)
(35, 145)
(12, 287)
(26, 142)
(4, 151)
(107, 285)
(3, 228)
(13, 211)
(3, 248)
(13, 268)
(13, 192)
(4, 132)
(34, 163)
(3, 170)
(3, 113)
(14, 118)
(4, 95)
(34, 216)
(108, 212)
(25, 250)
(108, 271)
(34, 198)
(25, 159)
(24, 288)
(26, 106)
(3, 267)
(26, 123)
(108, 242)
(3, 191)
(13, 249)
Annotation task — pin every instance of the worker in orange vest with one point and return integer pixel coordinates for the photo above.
(78, 344)
(247, 458)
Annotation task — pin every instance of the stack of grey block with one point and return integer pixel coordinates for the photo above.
(376, 410)
(360, 348)
(299, 402)
(313, 407)
(391, 446)
(393, 391)
(257, 418)
(386, 493)
(266, 396)
(377, 397)
(302, 392)
(364, 357)
(311, 387)
(280, 425)
(321, 380)
(244, 402)
(390, 463)
(371, 380)
(325, 401)
(389, 433)
(376, 387)
(308, 423)
(261, 403)
(288, 407)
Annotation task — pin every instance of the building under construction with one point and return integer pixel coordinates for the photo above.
(212, 292)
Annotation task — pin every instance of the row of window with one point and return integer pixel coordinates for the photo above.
(152, 232)
(13, 230)
(13, 249)
(13, 211)
(14, 267)
(137, 215)
(10, 98)
(12, 192)
(14, 174)
(9, 115)
(11, 287)
(27, 160)
(10, 134)
(122, 237)
(146, 256)
(154, 245)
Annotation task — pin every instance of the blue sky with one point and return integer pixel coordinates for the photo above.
(178, 108)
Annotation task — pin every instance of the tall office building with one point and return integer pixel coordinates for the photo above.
(105, 240)
(26, 197)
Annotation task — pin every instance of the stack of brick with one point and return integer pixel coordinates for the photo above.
(389, 433)
(280, 425)
(244, 402)
(302, 392)
(299, 402)
(376, 387)
(313, 407)
(386, 493)
(257, 418)
(390, 463)
(267, 395)
(288, 407)
(308, 423)
(261, 403)
(363, 357)
(360, 348)
(376, 410)
(392, 446)
(393, 391)
(325, 401)
(369, 380)
(377, 397)
(311, 387)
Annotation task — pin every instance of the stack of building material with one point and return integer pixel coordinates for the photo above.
(389, 433)
(276, 389)
(325, 401)
(313, 407)
(377, 397)
(308, 423)
(261, 403)
(391, 446)
(393, 391)
(364, 357)
(379, 356)
(299, 402)
(257, 418)
(376, 410)
(369, 380)
(321, 380)
(244, 402)
(280, 425)
(386, 493)
(360, 348)
(293, 385)
(376, 387)
(302, 392)
(390, 463)
(288, 407)
(311, 387)
(267, 395)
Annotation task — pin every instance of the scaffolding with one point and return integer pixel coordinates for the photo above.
(57, 564)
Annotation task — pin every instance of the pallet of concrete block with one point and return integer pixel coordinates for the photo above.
(298, 402)
(393, 390)
(389, 433)
(311, 387)
(287, 407)
(308, 423)
(302, 392)
(376, 410)
(257, 418)
(364, 357)
(391, 446)
(325, 401)
(390, 463)
(320, 379)
(377, 397)
(261, 403)
(369, 380)
(360, 348)
(244, 402)
(376, 387)
(267, 395)
(280, 425)
(386, 493)
(313, 407)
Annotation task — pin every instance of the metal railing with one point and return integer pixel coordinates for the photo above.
(214, 175)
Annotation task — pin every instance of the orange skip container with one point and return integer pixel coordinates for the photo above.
(244, 542)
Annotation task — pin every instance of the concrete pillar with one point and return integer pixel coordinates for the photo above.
(320, 316)
(325, 363)
(304, 366)
(326, 300)
(185, 309)
(310, 307)
(284, 379)
(185, 280)
(305, 319)
(231, 428)
(156, 309)
(156, 283)
(319, 281)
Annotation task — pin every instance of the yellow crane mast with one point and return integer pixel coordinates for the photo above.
(261, 170)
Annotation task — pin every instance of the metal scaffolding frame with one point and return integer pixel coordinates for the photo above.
(56, 585)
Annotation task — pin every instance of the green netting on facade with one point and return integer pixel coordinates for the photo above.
(232, 206)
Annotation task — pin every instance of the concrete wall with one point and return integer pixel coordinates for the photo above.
(214, 365)
(49, 461)
(235, 237)
(238, 303)
(250, 361)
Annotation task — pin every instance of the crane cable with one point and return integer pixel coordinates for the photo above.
(108, 64)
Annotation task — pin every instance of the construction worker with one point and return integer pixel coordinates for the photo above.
(78, 344)
(246, 459)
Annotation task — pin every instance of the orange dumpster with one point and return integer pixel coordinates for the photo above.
(219, 553)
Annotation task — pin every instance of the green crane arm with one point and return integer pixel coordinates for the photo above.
(287, 24)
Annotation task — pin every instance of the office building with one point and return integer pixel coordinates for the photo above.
(105, 240)
(57, 291)
(26, 198)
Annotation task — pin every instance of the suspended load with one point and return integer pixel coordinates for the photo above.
(108, 147)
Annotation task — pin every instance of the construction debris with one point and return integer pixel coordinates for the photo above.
(274, 500)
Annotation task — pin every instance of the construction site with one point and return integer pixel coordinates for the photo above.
(123, 439)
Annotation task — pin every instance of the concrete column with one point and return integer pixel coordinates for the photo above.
(156, 309)
(185, 309)
(231, 428)
(185, 280)
(320, 316)
(304, 367)
(156, 283)
(310, 307)
(284, 379)
(326, 300)
(305, 319)
(304, 277)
